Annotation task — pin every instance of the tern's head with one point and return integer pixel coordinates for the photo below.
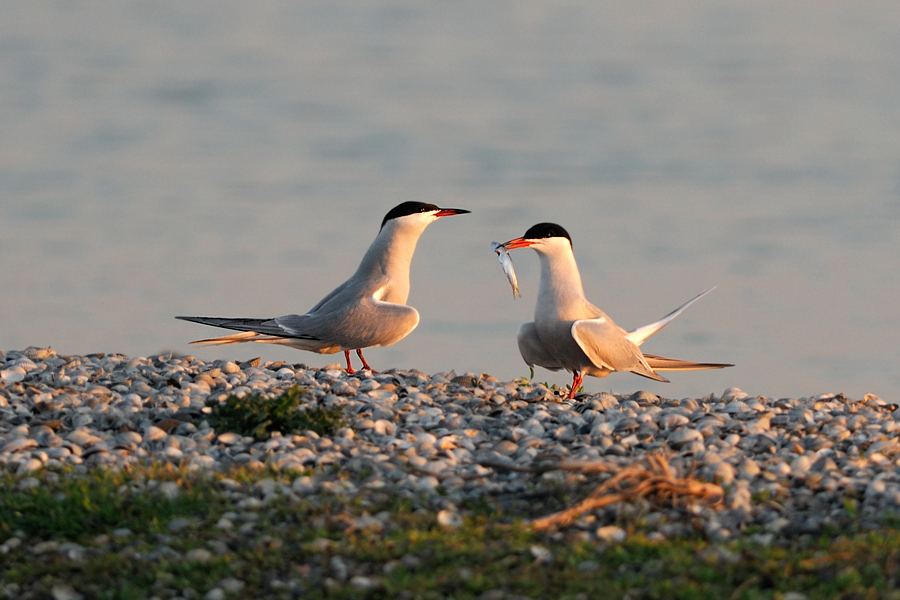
(418, 214)
(543, 237)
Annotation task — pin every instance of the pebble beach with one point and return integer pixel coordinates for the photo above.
(416, 433)
(786, 467)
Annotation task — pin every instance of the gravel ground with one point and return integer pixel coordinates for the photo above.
(787, 467)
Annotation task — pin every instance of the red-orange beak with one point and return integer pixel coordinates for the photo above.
(449, 212)
(517, 243)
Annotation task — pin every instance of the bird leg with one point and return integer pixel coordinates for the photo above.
(576, 383)
(363, 359)
(350, 370)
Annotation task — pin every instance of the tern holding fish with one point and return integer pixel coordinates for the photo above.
(570, 333)
(507, 265)
(369, 309)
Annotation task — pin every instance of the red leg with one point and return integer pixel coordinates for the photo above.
(576, 383)
(349, 367)
(363, 359)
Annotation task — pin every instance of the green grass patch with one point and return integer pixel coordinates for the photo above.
(70, 507)
(290, 547)
(258, 416)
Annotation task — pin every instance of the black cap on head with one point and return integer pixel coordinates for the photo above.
(408, 208)
(546, 230)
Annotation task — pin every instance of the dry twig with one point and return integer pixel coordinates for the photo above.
(652, 477)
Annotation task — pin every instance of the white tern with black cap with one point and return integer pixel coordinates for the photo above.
(570, 333)
(369, 309)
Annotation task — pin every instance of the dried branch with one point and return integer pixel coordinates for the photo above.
(652, 477)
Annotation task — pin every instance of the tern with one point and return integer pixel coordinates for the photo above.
(369, 309)
(570, 333)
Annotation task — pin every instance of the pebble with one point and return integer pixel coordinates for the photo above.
(450, 519)
(612, 534)
(62, 591)
(420, 435)
(198, 555)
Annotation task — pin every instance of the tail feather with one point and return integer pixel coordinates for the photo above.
(227, 323)
(639, 335)
(661, 363)
(237, 338)
(267, 329)
(649, 373)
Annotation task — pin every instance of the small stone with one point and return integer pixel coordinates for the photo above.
(12, 375)
(449, 519)
(29, 483)
(198, 555)
(229, 438)
(733, 393)
(18, 444)
(361, 582)
(339, 568)
(45, 547)
(169, 489)
(230, 367)
(179, 524)
(643, 396)
(506, 447)
(541, 554)
(10, 545)
(29, 466)
(683, 436)
(154, 434)
(611, 534)
(232, 585)
(61, 591)
(723, 473)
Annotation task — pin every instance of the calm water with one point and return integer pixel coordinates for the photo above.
(235, 159)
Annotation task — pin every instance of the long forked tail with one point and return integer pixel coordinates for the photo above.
(252, 330)
(238, 338)
(639, 335)
(661, 363)
(228, 323)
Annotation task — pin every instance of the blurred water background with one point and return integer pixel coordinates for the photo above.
(235, 159)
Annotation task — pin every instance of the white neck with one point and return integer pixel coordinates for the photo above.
(560, 296)
(390, 256)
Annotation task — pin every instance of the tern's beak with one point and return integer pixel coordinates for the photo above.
(517, 243)
(449, 212)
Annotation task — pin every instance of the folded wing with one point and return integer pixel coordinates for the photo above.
(606, 345)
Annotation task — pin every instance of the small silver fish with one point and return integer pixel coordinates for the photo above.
(507, 264)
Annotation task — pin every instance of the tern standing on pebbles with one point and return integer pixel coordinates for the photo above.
(570, 333)
(369, 309)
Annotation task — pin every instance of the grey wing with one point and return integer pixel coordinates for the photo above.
(361, 324)
(605, 344)
(533, 350)
(331, 295)
(353, 291)
(389, 322)
(592, 312)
